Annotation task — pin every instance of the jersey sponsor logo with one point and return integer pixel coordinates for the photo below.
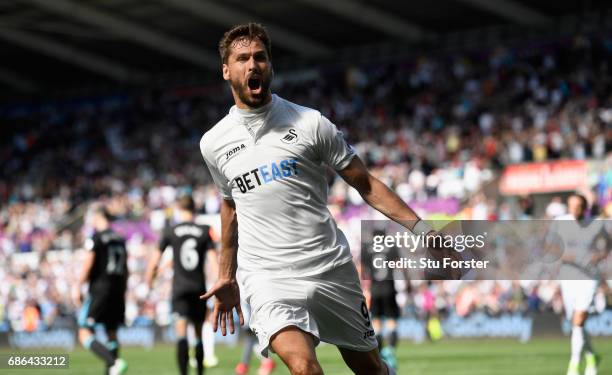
(234, 151)
(266, 174)
(290, 137)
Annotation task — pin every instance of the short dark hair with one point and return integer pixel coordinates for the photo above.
(583, 200)
(248, 31)
(101, 210)
(186, 203)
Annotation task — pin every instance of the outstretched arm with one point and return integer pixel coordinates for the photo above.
(379, 196)
(212, 260)
(383, 199)
(226, 288)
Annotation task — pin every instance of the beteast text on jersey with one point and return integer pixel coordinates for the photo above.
(266, 174)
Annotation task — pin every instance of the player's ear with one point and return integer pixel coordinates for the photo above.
(225, 70)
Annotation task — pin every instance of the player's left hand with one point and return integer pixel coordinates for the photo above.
(440, 252)
(228, 299)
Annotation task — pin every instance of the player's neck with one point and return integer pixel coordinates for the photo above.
(102, 227)
(245, 108)
(186, 217)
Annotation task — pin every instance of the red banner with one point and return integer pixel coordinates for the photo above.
(543, 177)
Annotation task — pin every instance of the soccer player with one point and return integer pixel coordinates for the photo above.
(190, 243)
(105, 268)
(579, 277)
(268, 158)
(383, 305)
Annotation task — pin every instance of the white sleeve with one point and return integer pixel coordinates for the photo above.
(552, 235)
(331, 146)
(220, 181)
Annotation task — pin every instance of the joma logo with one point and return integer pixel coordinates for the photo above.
(234, 151)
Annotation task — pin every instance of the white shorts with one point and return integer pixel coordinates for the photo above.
(330, 306)
(577, 295)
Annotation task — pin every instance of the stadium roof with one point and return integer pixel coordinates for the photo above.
(49, 46)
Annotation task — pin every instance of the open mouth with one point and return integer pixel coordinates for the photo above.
(254, 84)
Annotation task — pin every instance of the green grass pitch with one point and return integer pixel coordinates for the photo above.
(456, 357)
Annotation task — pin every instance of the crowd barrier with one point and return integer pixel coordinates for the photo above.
(521, 327)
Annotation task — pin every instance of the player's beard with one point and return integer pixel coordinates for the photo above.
(253, 100)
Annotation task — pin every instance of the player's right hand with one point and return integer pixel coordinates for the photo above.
(228, 299)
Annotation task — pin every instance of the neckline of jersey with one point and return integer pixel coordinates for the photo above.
(254, 111)
(247, 115)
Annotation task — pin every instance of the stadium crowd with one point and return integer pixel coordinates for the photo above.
(436, 126)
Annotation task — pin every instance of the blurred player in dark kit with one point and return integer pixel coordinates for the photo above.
(190, 243)
(382, 302)
(105, 268)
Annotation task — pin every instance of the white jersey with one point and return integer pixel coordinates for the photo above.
(578, 239)
(272, 162)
